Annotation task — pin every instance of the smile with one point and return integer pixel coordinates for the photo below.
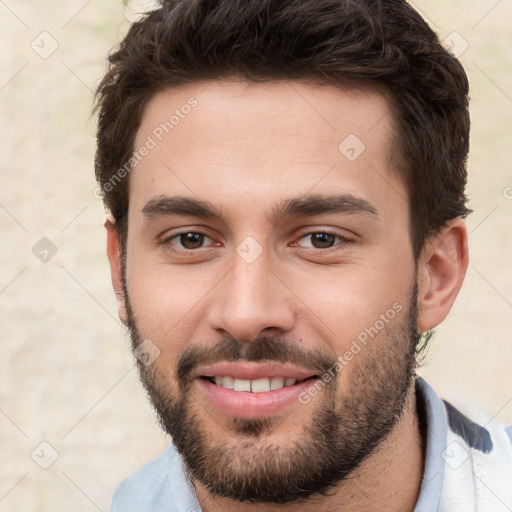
(251, 390)
(253, 386)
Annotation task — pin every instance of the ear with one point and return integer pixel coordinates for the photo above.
(442, 266)
(114, 257)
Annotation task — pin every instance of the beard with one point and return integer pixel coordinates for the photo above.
(344, 427)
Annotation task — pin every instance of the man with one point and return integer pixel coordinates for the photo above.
(285, 185)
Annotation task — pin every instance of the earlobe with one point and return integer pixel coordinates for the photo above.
(441, 269)
(114, 257)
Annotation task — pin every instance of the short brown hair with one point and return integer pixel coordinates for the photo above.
(384, 44)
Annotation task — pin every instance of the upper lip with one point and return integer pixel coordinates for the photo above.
(252, 371)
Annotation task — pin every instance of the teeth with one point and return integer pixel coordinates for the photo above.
(276, 382)
(242, 385)
(260, 385)
(225, 382)
(256, 385)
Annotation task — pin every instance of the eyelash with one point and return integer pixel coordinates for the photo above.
(342, 241)
(167, 242)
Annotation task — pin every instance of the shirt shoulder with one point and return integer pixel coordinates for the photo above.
(508, 431)
(135, 492)
(158, 486)
(468, 463)
(478, 461)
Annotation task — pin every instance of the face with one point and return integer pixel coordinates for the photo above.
(268, 259)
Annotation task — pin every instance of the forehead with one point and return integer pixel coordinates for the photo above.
(240, 144)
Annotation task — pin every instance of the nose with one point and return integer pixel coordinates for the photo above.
(250, 299)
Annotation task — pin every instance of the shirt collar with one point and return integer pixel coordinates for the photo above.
(432, 411)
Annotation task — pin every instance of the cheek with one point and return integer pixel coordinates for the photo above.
(346, 301)
(163, 298)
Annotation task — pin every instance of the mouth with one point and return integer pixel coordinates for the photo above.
(252, 390)
(261, 385)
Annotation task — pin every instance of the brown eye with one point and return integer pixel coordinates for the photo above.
(191, 240)
(189, 244)
(320, 240)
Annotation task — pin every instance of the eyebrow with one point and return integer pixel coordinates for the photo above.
(323, 204)
(179, 205)
(297, 207)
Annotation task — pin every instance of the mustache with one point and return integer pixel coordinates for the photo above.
(262, 349)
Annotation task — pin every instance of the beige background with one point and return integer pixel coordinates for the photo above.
(66, 375)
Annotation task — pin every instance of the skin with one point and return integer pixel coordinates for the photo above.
(245, 149)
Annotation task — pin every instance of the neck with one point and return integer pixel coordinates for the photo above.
(389, 480)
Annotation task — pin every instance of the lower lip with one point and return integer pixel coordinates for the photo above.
(243, 404)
